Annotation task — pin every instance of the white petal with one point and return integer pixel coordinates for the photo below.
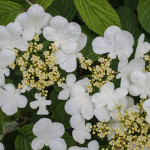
(37, 96)
(82, 42)
(93, 145)
(100, 45)
(70, 64)
(146, 106)
(79, 136)
(1, 146)
(6, 58)
(57, 130)
(75, 148)
(41, 126)
(21, 44)
(50, 34)
(120, 93)
(102, 114)
(42, 111)
(73, 106)
(87, 110)
(14, 30)
(64, 94)
(57, 144)
(60, 56)
(83, 82)
(77, 121)
(34, 104)
(10, 88)
(59, 23)
(28, 34)
(2, 80)
(70, 80)
(21, 101)
(37, 143)
(3, 97)
(134, 90)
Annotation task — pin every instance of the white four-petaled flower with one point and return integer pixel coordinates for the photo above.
(48, 133)
(41, 102)
(11, 100)
(106, 99)
(10, 37)
(33, 21)
(115, 42)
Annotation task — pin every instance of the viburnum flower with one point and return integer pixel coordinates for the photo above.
(146, 106)
(142, 47)
(93, 145)
(80, 102)
(6, 58)
(65, 35)
(25, 87)
(70, 82)
(1, 146)
(125, 69)
(81, 131)
(10, 37)
(11, 100)
(41, 102)
(68, 62)
(140, 84)
(115, 42)
(48, 133)
(106, 99)
(33, 21)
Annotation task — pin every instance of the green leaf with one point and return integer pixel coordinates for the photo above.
(65, 8)
(61, 116)
(1, 121)
(144, 14)
(44, 3)
(97, 14)
(24, 139)
(9, 11)
(88, 50)
(131, 3)
(69, 140)
(129, 20)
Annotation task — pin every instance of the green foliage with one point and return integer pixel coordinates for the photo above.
(64, 8)
(131, 3)
(129, 20)
(9, 11)
(44, 3)
(24, 139)
(88, 50)
(61, 116)
(144, 14)
(97, 14)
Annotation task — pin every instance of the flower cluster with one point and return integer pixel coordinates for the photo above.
(112, 103)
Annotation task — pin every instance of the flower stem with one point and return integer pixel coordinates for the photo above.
(28, 2)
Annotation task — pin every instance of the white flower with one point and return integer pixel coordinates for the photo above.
(146, 106)
(93, 145)
(68, 62)
(80, 102)
(81, 131)
(1, 146)
(48, 134)
(10, 37)
(142, 47)
(41, 102)
(70, 83)
(140, 84)
(65, 35)
(126, 68)
(6, 58)
(106, 99)
(33, 21)
(116, 42)
(25, 87)
(11, 100)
